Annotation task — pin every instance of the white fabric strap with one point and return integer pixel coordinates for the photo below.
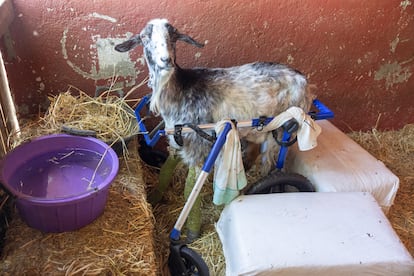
(229, 174)
(308, 131)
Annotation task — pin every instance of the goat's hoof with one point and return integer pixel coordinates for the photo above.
(155, 197)
(192, 236)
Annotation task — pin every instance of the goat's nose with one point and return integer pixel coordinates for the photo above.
(166, 59)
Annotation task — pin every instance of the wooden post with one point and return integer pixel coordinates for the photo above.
(8, 115)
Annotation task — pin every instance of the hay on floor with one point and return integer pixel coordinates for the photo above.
(119, 242)
(107, 117)
(394, 148)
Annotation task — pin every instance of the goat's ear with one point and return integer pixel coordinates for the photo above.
(189, 40)
(129, 44)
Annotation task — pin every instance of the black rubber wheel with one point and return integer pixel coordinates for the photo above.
(279, 182)
(193, 263)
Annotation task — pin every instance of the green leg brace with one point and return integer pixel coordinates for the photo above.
(164, 179)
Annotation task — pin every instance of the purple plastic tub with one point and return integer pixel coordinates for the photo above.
(60, 182)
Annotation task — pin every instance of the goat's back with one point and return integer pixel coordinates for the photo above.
(260, 89)
(243, 92)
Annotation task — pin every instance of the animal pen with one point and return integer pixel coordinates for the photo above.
(137, 251)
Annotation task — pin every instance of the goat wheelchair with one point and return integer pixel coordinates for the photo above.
(182, 259)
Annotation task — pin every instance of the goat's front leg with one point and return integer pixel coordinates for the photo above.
(193, 222)
(165, 177)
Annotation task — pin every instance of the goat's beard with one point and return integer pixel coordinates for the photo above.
(157, 80)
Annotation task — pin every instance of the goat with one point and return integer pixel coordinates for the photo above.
(208, 95)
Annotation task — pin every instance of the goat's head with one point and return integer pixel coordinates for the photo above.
(158, 39)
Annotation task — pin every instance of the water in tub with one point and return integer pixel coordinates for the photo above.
(62, 174)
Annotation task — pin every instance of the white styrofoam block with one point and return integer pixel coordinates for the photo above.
(339, 164)
(310, 234)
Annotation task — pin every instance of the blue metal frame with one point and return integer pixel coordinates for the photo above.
(208, 165)
(151, 141)
(152, 138)
(323, 113)
(283, 151)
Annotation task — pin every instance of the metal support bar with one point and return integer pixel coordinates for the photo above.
(208, 165)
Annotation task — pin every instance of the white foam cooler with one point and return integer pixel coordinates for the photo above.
(339, 164)
(310, 234)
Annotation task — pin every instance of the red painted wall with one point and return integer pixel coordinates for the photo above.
(358, 53)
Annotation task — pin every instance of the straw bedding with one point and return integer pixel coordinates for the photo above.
(120, 242)
(107, 117)
(394, 148)
(132, 238)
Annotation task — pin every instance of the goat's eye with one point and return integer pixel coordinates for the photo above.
(144, 39)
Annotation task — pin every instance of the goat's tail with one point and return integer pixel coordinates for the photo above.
(310, 89)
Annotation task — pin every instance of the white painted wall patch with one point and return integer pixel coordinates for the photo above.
(393, 73)
(104, 61)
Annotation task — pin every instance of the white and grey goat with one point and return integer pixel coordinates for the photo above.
(208, 95)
